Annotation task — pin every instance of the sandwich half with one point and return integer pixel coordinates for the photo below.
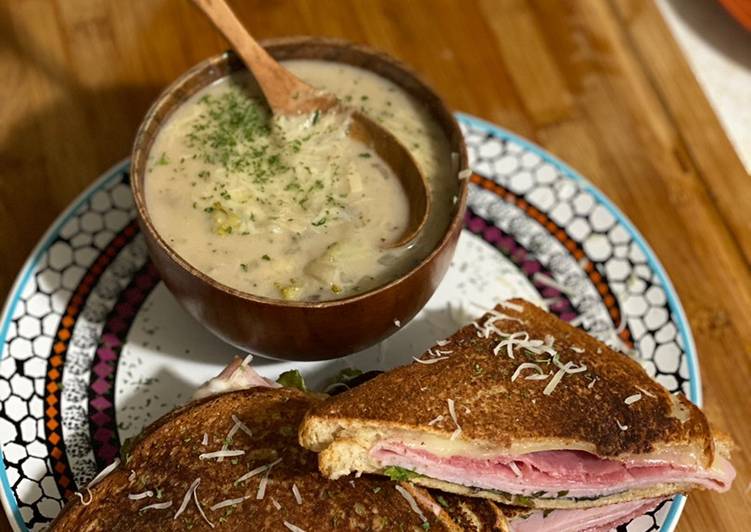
(231, 462)
(523, 409)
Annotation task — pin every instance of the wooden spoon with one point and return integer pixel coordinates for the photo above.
(286, 94)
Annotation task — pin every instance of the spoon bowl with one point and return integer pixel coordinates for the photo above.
(286, 95)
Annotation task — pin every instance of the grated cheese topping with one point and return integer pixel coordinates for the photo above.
(251, 473)
(257, 470)
(205, 440)
(489, 326)
(411, 501)
(568, 368)
(518, 338)
(200, 508)
(441, 343)
(186, 497)
(228, 502)
(522, 340)
(428, 360)
(512, 306)
(293, 528)
(620, 425)
(156, 506)
(296, 493)
(397, 323)
(645, 392)
(138, 496)
(452, 412)
(103, 473)
(221, 454)
(132, 475)
(228, 439)
(276, 504)
(261, 493)
(83, 501)
(526, 365)
(435, 420)
(242, 426)
(631, 399)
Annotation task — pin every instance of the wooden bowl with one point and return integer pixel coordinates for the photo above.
(286, 329)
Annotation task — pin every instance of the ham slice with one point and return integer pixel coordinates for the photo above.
(598, 519)
(238, 375)
(553, 474)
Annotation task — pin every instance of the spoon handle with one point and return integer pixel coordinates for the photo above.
(280, 87)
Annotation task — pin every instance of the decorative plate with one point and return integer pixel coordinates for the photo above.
(94, 347)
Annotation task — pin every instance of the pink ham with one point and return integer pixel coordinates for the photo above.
(578, 473)
(598, 519)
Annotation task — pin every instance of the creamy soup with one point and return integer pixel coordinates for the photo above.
(292, 208)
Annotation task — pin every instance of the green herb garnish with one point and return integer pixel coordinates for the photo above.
(126, 448)
(522, 501)
(292, 379)
(346, 375)
(399, 474)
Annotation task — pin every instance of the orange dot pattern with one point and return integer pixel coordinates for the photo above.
(53, 421)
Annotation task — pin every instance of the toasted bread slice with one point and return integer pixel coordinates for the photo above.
(497, 411)
(165, 461)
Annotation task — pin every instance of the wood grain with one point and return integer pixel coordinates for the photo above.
(600, 83)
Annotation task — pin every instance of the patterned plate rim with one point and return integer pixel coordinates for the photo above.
(676, 308)
(8, 500)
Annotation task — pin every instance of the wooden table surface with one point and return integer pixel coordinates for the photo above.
(599, 83)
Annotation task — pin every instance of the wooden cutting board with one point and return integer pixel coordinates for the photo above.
(600, 83)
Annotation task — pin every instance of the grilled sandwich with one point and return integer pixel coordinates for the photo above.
(231, 462)
(523, 409)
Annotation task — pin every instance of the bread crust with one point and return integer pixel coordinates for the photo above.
(165, 460)
(494, 411)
